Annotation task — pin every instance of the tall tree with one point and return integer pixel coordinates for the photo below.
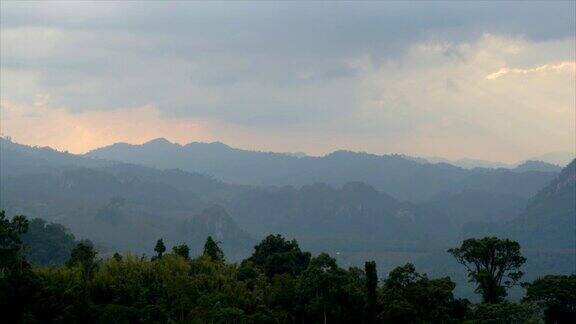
(182, 250)
(160, 248)
(212, 250)
(117, 257)
(322, 283)
(411, 297)
(493, 263)
(276, 255)
(11, 256)
(371, 286)
(18, 283)
(83, 255)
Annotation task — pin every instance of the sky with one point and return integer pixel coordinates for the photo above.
(485, 80)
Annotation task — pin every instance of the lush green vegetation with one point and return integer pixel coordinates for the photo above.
(47, 243)
(278, 283)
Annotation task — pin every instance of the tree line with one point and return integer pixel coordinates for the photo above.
(278, 283)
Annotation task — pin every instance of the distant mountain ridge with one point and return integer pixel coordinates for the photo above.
(120, 206)
(558, 158)
(97, 185)
(129, 206)
(468, 163)
(550, 216)
(554, 160)
(126, 205)
(393, 174)
(533, 164)
(18, 158)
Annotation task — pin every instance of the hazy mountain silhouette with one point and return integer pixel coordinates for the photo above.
(550, 217)
(128, 207)
(356, 217)
(120, 195)
(558, 158)
(533, 164)
(402, 177)
(19, 159)
(469, 163)
(119, 206)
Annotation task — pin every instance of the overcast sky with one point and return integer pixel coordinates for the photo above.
(487, 80)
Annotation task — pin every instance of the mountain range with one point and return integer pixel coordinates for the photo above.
(394, 174)
(353, 205)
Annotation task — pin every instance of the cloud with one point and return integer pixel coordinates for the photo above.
(466, 79)
(410, 100)
(566, 67)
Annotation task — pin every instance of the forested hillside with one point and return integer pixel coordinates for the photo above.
(356, 217)
(119, 206)
(549, 220)
(277, 283)
(47, 243)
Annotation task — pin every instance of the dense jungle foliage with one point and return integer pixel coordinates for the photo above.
(278, 283)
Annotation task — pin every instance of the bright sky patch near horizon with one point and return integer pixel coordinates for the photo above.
(486, 80)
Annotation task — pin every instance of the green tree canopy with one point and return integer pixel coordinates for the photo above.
(410, 297)
(492, 263)
(557, 294)
(371, 287)
(212, 250)
(47, 243)
(83, 255)
(278, 284)
(504, 312)
(276, 255)
(182, 250)
(18, 284)
(117, 257)
(159, 248)
(323, 284)
(11, 258)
